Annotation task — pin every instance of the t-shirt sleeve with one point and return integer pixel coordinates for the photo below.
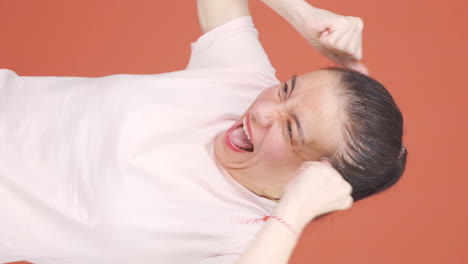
(232, 44)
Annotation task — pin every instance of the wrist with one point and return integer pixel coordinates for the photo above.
(283, 222)
(291, 10)
(291, 215)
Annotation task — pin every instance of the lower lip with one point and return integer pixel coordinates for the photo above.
(228, 141)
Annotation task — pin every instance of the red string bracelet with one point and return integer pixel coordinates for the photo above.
(282, 221)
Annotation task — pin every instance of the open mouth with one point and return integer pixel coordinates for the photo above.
(239, 138)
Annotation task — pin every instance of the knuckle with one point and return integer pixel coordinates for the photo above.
(343, 20)
(349, 19)
(349, 188)
(360, 23)
(348, 203)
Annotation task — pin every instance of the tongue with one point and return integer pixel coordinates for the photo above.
(239, 138)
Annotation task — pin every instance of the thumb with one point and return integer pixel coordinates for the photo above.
(357, 66)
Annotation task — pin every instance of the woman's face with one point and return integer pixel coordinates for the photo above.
(287, 124)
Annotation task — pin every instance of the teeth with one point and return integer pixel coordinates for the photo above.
(244, 121)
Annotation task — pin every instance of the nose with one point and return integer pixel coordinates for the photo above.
(264, 113)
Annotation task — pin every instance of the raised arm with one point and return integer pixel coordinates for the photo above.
(337, 37)
(316, 190)
(213, 13)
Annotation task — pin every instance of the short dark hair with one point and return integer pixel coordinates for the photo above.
(371, 158)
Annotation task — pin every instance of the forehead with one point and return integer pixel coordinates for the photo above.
(316, 103)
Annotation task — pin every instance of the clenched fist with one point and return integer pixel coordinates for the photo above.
(337, 37)
(317, 189)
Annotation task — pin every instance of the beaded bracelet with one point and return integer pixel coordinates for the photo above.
(282, 221)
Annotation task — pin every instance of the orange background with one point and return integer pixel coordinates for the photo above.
(417, 48)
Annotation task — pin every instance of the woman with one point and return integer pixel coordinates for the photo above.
(171, 168)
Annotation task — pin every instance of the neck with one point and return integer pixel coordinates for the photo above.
(253, 185)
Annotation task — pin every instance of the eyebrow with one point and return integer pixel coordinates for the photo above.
(296, 120)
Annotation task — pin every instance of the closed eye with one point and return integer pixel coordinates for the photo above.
(289, 129)
(284, 89)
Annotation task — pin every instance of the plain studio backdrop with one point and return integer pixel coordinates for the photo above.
(416, 48)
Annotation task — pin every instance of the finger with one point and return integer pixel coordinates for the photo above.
(348, 203)
(325, 33)
(353, 46)
(356, 43)
(361, 28)
(346, 37)
(331, 41)
(359, 51)
(348, 187)
(335, 33)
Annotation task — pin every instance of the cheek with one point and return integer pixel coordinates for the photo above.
(277, 150)
(282, 162)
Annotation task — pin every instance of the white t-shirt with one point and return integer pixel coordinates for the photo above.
(120, 169)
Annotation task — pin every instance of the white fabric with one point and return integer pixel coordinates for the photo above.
(120, 169)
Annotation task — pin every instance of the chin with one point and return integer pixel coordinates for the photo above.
(225, 155)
